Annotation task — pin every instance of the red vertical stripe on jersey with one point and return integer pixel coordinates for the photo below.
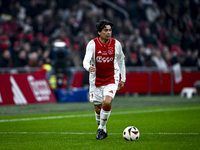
(104, 59)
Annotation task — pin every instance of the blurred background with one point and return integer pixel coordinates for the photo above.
(37, 36)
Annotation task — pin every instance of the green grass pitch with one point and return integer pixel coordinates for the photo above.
(164, 122)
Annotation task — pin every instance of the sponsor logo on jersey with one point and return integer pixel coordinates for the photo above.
(99, 52)
(39, 88)
(101, 59)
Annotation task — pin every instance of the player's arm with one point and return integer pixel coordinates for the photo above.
(88, 56)
(121, 63)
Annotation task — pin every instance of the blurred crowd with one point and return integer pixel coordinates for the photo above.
(156, 33)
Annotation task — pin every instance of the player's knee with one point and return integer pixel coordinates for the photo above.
(107, 102)
(98, 109)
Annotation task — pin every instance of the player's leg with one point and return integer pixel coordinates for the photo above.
(105, 111)
(104, 115)
(109, 93)
(97, 108)
(96, 98)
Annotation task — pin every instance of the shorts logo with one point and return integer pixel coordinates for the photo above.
(101, 59)
(111, 91)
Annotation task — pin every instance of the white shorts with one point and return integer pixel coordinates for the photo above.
(97, 93)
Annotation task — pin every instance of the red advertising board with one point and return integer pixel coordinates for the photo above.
(157, 82)
(22, 89)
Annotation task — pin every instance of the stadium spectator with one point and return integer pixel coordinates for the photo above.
(5, 60)
(159, 61)
(148, 38)
(180, 58)
(187, 41)
(27, 47)
(142, 57)
(38, 25)
(134, 46)
(21, 59)
(136, 36)
(4, 43)
(110, 13)
(1, 7)
(166, 55)
(20, 11)
(174, 23)
(87, 10)
(139, 12)
(133, 61)
(130, 9)
(126, 47)
(31, 9)
(191, 60)
(152, 12)
(174, 36)
(15, 49)
(33, 59)
(128, 28)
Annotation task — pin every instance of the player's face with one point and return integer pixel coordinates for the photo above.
(106, 33)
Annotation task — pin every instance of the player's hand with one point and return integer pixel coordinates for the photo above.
(120, 85)
(92, 68)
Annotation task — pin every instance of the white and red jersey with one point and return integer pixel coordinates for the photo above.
(108, 60)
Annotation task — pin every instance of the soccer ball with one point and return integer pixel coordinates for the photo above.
(131, 133)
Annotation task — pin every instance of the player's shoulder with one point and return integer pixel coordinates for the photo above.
(116, 41)
(91, 42)
(113, 39)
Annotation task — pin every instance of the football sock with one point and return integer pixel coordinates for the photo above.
(104, 115)
(97, 118)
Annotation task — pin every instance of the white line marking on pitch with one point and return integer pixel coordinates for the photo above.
(89, 115)
(160, 133)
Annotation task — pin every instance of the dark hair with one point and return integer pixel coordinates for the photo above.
(101, 24)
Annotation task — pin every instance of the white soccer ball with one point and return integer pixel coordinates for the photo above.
(131, 133)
